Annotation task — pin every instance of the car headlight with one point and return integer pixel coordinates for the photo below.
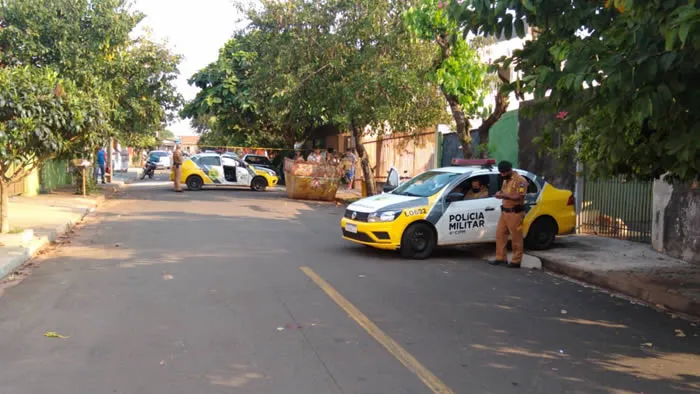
(387, 216)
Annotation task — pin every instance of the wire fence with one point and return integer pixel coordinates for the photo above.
(617, 208)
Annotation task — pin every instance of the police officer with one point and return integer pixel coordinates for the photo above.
(478, 190)
(512, 214)
(177, 164)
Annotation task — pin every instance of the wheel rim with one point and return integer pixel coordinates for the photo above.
(257, 185)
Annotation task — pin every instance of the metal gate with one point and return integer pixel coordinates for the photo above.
(617, 208)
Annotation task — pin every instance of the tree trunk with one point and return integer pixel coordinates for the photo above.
(462, 124)
(502, 102)
(367, 172)
(501, 107)
(4, 208)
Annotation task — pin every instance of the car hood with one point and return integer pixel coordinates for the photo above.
(386, 201)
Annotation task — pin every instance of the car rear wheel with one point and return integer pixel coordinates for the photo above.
(194, 183)
(541, 234)
(259, 184)
(418, 241)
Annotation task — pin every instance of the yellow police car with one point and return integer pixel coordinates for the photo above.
(430, 210)
(213, 169)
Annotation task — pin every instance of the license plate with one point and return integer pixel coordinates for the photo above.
(351, 228)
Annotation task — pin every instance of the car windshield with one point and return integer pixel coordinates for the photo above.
(257, 160)
(425, 184)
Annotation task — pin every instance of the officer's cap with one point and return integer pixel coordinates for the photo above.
(505, 166)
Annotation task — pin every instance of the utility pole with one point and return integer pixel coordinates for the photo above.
(109, 161)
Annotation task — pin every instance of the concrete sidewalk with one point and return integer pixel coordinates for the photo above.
(36, 222)
(630, 268)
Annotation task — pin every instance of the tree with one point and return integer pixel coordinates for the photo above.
(105, 83)
(351, 64)
(141, 78)
(624, 71)
(458, 69)
(224, 110)
(40, 116)
(166, 134)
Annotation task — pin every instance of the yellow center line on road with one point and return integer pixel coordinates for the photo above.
(410, 362)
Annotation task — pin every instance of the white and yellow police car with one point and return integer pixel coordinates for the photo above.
(212, 169)
(430, 210)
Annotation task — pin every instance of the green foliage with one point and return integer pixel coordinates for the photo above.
(300, 65)
(71, 76)
(457, 69)
(224, 109)
(42, 116)
(625, 71)
(462, 74)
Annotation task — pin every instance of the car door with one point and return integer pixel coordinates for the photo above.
(469, 221)
(211, 165)
(243, 176)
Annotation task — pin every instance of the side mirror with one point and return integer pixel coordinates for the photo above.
(388, 188)
(454, 196)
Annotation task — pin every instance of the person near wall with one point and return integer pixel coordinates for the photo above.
(512, 214)
(100, 165)
(177, 168)
(352, 157)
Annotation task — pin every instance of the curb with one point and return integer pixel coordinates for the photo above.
(628, 284)
(29, 251)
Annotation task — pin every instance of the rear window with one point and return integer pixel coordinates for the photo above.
(159, 154)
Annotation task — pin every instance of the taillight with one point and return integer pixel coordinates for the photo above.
(572, 200)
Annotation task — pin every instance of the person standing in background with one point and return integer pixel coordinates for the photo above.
(177, 168)
(100, 164)
(315, 156)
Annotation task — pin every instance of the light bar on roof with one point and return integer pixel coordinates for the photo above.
(473, 162)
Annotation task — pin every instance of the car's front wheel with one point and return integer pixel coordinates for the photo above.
(259, 184)
(541, 234)
(418, 241)
(194, 183)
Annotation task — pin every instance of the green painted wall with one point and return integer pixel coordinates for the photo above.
(54, 174)
(503, 138)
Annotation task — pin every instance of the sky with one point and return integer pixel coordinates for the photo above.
(193, 29)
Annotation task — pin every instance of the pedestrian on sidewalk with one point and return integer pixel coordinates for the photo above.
(100, 164)
(350, 171)
(177, 168)
(512, 214)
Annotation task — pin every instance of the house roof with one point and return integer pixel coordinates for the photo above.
(189, 140)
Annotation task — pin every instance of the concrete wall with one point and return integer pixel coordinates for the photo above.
(54, 174)
(676, 221)
(503, 138)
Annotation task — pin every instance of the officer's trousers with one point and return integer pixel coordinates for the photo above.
(177, 170)
(510, 223)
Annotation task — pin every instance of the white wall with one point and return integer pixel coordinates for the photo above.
(493, 52)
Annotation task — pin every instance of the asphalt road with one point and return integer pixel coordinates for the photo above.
(203, 293)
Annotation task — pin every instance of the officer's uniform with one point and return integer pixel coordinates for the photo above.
(511, 220)
(177, 169)
(482, 193)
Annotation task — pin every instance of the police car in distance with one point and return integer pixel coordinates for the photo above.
(430, 210)
(213, 169)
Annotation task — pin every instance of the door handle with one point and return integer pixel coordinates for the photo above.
(490, 209)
